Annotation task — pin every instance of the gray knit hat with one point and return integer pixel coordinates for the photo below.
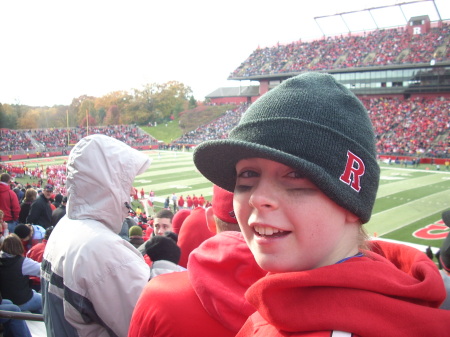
(311, 123)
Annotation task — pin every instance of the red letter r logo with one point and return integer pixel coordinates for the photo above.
(353, 171)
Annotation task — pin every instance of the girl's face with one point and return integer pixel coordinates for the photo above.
(287, 222)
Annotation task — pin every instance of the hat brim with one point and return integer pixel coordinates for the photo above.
(217, 159)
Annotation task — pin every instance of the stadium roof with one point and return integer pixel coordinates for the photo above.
(388, 16)
(244, 91)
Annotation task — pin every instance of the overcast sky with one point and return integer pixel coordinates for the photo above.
(55, 50)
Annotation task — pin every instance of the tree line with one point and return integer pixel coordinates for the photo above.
(155, 102)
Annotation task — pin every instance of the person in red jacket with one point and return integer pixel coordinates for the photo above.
(208, 299)
(180, 202)
(193, 232)
(303, 168)
(189, 202)
(9, 203)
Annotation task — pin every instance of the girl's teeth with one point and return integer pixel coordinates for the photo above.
(262, 230)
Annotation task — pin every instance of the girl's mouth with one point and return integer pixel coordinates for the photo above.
(269, 231)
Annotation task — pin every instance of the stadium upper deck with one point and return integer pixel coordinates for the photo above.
(380, 48)
(409, 59)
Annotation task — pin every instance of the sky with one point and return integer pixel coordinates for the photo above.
(55, 50)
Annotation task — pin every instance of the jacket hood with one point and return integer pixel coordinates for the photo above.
(221, 270)
(394, 290)
(7, 259)
(4, 187)
(100, 174)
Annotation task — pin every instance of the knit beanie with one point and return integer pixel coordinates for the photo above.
(22, 231)
(313, 124)
(162, 248)
(135, 231)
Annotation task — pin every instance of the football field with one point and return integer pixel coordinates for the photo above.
(408, 206)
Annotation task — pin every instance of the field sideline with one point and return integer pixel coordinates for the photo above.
(408, 206)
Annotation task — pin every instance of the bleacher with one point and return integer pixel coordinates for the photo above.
(382, 47)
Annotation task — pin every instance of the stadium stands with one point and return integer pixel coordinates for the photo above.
(61, 139)
(381, 47)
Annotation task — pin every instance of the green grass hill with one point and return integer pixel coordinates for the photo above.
(188, 120)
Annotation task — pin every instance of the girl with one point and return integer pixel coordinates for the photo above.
(302, 165)
(14, 272)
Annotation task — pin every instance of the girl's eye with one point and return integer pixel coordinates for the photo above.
(295, 175)
(247, 174)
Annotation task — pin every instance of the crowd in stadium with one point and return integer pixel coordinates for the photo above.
(217, 129)
(411, 127)
(39, 140)
(414, 127)
(378, 48)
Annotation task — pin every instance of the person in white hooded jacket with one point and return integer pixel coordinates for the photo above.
(91, 278)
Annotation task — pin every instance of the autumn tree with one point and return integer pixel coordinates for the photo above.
(112, 115)
(29, 120)
(86, 108)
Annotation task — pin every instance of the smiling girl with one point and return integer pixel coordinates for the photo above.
(302, 166)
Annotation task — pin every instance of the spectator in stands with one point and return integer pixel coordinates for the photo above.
(30, 235)
(304, 183)
(162, 222)
(13, 327)
(178, 220)
(9, 203)
(135, 236)
(14, 272)
(165, 254)
(36, 252)
(444, 259)
(58, 213)
(25, 206)
(192, 233)
(3, 227)
(58, 199)
(40, 211)
(86, 265)
(209, 298)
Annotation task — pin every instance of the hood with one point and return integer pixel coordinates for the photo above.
(394, 290)
(221, 270)
(100, 174)
(4, 187)
(7, 259)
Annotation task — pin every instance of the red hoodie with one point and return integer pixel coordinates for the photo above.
(205, 301)
(9, 203)
(394, 290)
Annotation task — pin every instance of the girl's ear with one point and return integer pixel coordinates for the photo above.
(352, 218)
(210, 221)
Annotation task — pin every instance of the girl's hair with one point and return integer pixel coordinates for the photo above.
(30, 194)
(13, 245)
(363, 238)
(1, 213)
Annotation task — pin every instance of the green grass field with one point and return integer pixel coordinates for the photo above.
(408, 200)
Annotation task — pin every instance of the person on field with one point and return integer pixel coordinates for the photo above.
(90, 277)
(303, 168)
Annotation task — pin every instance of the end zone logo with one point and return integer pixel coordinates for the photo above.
(435, 231)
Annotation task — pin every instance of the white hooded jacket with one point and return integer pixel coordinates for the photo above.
(91, 278)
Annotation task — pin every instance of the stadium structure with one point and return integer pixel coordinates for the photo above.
(408, 60)
(401, 73)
